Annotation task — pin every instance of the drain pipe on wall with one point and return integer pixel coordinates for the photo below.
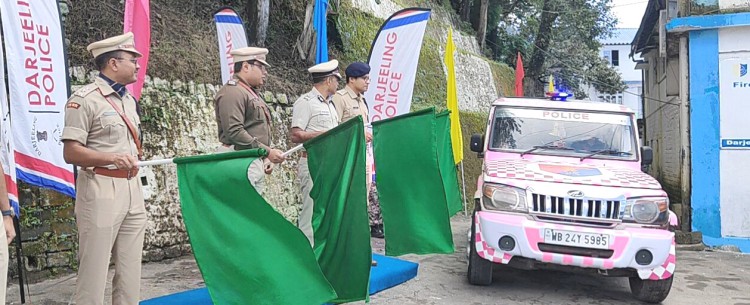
(685, 171)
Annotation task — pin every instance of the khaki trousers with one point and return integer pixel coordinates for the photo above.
(4, 258)
(255, 172)
(304, 221)
(111, 220)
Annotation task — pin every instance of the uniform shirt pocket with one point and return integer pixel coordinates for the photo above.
(321, 118)
(259, 111)
(114, 126)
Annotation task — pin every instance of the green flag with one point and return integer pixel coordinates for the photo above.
(336, 160)
(247, 252)
(447, 165)
(410, 185)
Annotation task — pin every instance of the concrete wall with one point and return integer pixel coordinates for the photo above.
(662, 119)
(719, 190)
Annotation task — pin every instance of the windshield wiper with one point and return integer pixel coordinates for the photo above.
(544, 147)
(606, 152)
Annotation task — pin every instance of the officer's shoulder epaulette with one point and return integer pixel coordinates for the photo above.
(341, 92)
(85, 90)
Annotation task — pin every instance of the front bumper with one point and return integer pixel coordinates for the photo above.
(528, 234)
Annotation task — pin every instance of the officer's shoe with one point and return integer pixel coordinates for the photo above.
(376, 231)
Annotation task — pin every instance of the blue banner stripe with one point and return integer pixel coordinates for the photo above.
(45, 183)
(407, 20)
(16, 208)
(227, 19)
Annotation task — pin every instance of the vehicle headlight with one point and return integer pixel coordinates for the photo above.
(504, 198)
(647, 210)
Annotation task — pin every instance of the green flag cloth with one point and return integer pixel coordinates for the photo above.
(336, 160)
(410, 185)
(447, 164)
(247, 252)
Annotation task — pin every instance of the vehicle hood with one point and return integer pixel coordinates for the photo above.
(571, 173)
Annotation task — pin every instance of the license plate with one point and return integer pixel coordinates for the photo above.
(576, 239)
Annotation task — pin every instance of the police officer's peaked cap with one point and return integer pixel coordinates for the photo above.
(250, 53)
(357, 69)
(122, 42)
(325, 69)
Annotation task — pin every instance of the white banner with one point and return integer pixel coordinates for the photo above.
(6, 140)
(393, 58)
(231, 35)
(37, 76)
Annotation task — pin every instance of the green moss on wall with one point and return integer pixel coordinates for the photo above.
(472, 123)
(356, 30)
(504, 77)
(429, 87)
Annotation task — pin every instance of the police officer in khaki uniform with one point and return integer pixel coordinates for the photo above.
(101, 129)
(312, 115)
(243, 118)
(350, 103)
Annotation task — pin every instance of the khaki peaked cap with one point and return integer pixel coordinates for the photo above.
(124, 42)
(250, 53)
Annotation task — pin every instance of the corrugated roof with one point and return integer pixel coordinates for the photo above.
(648, 23)
(623, 36)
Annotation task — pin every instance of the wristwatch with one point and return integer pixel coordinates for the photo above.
(8, 213)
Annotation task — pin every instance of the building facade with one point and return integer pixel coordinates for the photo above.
(615, 50)
(695, 77)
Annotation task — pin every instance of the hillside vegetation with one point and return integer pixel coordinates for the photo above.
(184, 47)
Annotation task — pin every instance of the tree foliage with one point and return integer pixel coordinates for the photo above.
(559, 37)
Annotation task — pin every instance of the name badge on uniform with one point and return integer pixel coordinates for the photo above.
(109, 113)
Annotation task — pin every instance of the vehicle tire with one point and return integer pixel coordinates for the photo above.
(650, 291)
(480, 269)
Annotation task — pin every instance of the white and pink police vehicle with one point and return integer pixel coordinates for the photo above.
(562, 188)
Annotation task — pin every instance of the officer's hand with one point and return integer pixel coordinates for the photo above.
(368, 136)
(10, 231)
(275, 155)
(125, 161)
(268, 167)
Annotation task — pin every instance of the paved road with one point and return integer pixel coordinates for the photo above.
(704, 278)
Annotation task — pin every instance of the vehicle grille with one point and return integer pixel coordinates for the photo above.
(584, 207)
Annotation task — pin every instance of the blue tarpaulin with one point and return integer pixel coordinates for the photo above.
(319, 24)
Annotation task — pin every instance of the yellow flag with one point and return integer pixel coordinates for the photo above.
(456, 137)
(551, 84)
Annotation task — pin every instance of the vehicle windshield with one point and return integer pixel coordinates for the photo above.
(564, 133)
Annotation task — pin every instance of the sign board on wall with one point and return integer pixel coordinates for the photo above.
(734, 88)
(734, 132)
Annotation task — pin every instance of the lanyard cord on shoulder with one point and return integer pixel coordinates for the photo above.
(128, 123)
(255, 95)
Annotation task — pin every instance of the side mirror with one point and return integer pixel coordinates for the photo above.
(477, 144)
(647, 155)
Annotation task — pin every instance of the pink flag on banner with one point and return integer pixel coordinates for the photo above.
(138, 21)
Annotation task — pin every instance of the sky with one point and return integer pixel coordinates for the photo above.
(629, 12)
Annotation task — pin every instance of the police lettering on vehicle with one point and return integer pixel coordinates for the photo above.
(566, 115)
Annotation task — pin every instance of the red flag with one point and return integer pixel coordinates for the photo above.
(519, 75)
(138, 21)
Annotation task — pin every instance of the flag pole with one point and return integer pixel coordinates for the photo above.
(294, 149)
(171, 160)
(463, 183)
